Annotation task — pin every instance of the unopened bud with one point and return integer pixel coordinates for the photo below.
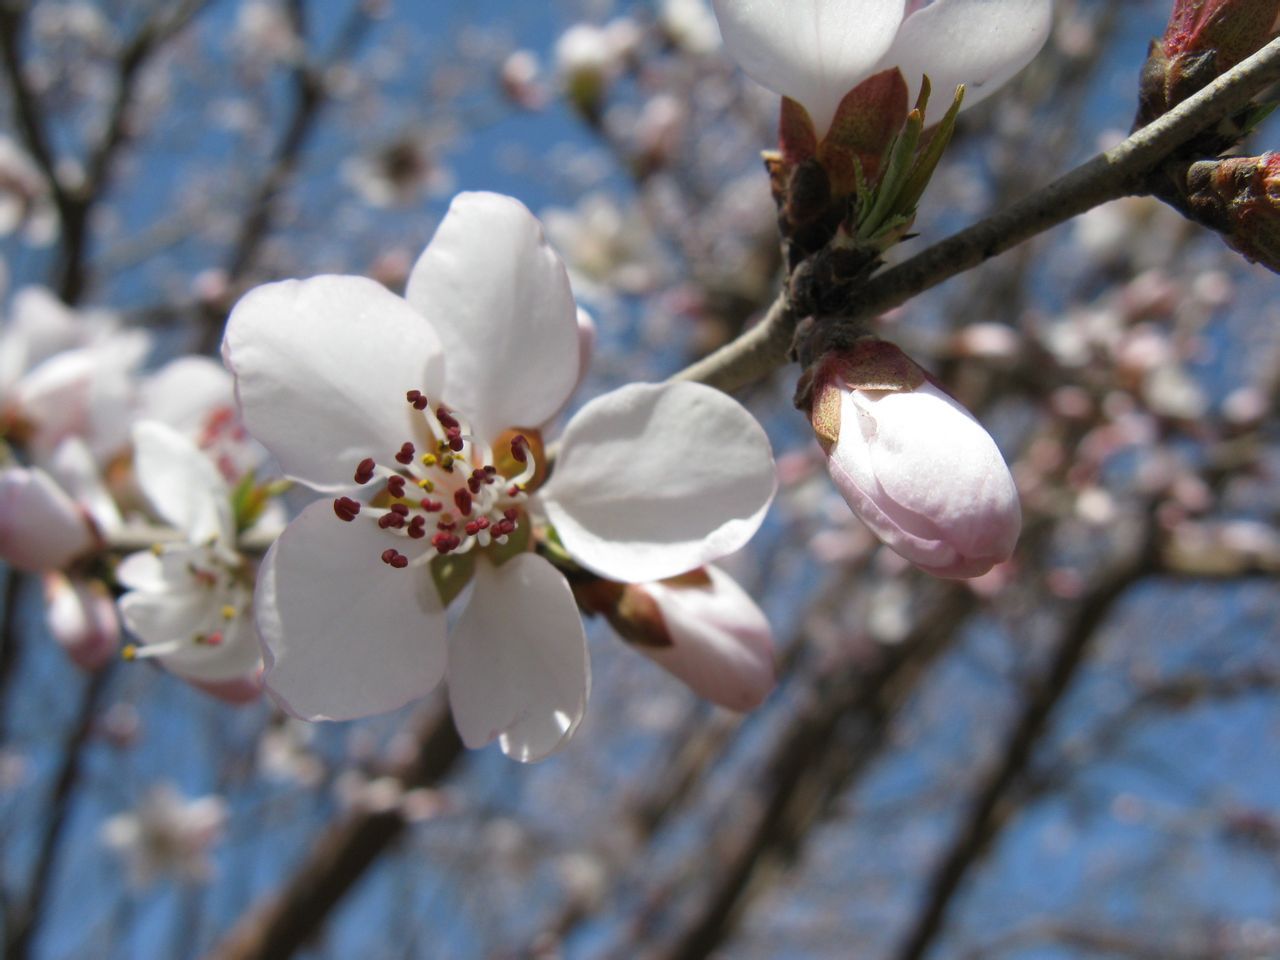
(910, 461)
(1204, 39)
(82, 619)
(701, 627)
(1240, 198)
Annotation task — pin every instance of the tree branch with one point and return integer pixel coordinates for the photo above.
(991, 807)
(285, 923)
(1114, 173)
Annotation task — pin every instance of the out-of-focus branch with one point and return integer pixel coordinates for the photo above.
(1118, 172)
(992, 807)
(76, 202)
(310, 98)
(25, 916)
(287, 921)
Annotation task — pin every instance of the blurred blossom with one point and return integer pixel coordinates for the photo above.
(82, 619)
(41, 526)
(486, 349)
(190, 602)
(263, 32)
(285, 753)
(66, 373)
(606, 246)
(167, 836)
(690, 25)
(25, 202)
(589, 58)
(521, 80)
(400, 173)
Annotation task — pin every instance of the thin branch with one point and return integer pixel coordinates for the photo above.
(1118, 172)
(991, 807)
(20, 936)
(289, 920)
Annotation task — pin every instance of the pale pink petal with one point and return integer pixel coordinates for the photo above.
(41, 528)
(813, 51)
(143, 570)
(721, 644)
(322, 367)
(927, 478)
(235, 656)
(653, 480)
(980, 43)
(499, 297)
(237, 690)
(344, 635)
(518, 669)
(82, 619)
(182, 484)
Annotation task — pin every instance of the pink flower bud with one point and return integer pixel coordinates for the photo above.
(701, 627)
(1240, 198)
(82, 619)
(41, 528)
(911, 462)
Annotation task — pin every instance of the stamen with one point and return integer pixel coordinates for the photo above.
(463, 500)
(346, 508)
(394, 558)
(405, 455)
(364, 471)
(395, 485)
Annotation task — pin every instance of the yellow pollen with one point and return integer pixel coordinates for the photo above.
(228, 612)
(429, 459)
(129, 652)
(157, 549)
(446, 461)
(426, 484)
(442, 445)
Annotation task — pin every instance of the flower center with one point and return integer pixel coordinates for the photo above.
(211, 581)
(453, 494)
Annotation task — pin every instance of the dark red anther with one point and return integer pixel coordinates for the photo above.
(462, 498)
(405, 455)
(346, 508)
(417, 527)
(446, 525)
(391, 520)
(475, 482)
(503, 527)
(520, 448)
(444, 542)
(395, 485)
(490, 470)
(512, 514)
(431, 506)
(364, 470)
(454, 438)
(472, 528)
(399, 508)
(446, 419)
(419, 401)
(394, 558)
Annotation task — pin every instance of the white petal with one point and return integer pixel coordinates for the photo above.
(499, 297)
(656, 479)
(721, 644)
(813, 51)
(41, 528)
(182, 484)
(343, 634)
(142, 571)
(236, 657)
(184, 392)
(980, 43)
(168, 615)
(322, 367)
(518, 669)
(76, 469)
